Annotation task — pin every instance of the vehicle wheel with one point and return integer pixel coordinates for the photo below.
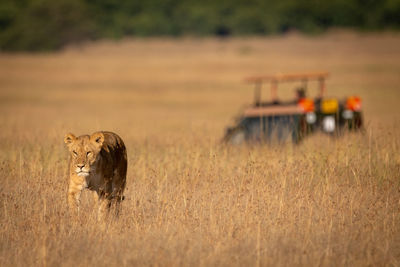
(236, 137)
(301, 130)
(358, 121)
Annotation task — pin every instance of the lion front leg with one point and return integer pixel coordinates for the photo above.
(74, 200)
(74, 195)
(104, 205)
(118, 198)
(95, 198)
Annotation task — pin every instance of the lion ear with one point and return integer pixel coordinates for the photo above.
(69, 138)
(97, 138)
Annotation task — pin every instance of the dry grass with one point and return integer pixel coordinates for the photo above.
(189, 200)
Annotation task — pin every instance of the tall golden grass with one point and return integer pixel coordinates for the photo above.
(189, 199)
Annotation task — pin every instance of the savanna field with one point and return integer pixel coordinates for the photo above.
(191, 200)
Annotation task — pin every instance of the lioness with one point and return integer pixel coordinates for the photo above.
(99, 163)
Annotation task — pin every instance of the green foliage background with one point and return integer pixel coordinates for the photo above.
(50, 24)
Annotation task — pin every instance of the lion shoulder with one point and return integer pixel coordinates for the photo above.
(113, 154)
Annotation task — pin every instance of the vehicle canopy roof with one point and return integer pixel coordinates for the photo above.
(286, 77)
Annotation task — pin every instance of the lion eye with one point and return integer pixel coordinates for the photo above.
(76, 154)
(88, 153)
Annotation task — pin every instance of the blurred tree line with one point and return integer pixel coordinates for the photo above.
(49, 24)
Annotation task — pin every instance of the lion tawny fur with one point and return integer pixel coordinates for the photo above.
(98, 162)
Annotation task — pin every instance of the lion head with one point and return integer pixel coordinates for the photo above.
(84, 152)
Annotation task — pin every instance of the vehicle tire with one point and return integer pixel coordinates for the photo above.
(236, 137)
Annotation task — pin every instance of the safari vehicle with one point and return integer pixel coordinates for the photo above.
(277, 121)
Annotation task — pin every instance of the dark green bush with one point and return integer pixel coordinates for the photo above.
(51, 24)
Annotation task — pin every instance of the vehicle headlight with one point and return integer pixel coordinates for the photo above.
(347, 114)
(311, 118)
(328, 124)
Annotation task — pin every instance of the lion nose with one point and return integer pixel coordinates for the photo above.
(80, 165)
